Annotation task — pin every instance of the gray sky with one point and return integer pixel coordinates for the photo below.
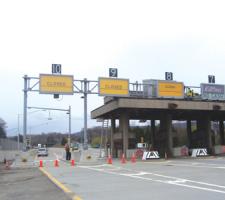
(143, 39)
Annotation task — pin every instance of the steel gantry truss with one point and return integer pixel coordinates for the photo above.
(85, 87)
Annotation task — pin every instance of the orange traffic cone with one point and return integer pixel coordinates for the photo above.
(123, 160)
(133, 158)
(56, 163)
(41, 163)
(72, 162)
(109, 160)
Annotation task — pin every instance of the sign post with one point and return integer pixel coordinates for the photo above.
(25, 90)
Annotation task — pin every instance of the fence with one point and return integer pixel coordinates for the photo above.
(8, 149)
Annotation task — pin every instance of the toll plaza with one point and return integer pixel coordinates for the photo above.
(164, 104)
(158, 101)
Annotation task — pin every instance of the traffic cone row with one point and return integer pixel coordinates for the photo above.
(123, 159)
(56, 163)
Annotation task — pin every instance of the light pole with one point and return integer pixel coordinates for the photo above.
(85, 147)
(25, 111)
(18, 136)
(69, 135)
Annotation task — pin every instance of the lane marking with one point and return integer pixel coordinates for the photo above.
(178, 184)
(60, 185)
(196, 165)
(191, 164)
(175, 180)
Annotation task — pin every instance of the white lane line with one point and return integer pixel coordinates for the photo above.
(188, 180)
(193, 164)
(221, 167)
(176, 181)
(200, 188)
(37, 161)
(197, 166)
(136, 174)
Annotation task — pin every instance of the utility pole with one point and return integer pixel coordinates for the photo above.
(69, 137)
(18, 136)
(85, 115)
(25, 112)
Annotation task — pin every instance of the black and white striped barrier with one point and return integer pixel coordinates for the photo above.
(147, 155)
(199, 152)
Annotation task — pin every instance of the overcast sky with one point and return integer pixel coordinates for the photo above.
(143, 39)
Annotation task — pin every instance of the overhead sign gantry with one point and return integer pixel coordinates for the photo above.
(59, 84)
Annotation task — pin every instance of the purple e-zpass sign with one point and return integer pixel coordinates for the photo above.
(212, 91)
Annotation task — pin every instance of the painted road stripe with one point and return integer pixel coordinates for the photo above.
(60, 185)
(175, 180)
(193, 165)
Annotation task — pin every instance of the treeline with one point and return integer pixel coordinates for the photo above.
(2, 133)
(97, 136)
(49, 139)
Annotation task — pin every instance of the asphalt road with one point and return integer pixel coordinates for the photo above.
(199, 178)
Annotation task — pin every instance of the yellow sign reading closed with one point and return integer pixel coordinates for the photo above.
(56, 84)
(170, 89)
(113, 87)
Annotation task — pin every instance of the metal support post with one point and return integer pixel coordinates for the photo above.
(18, 136)
(25, 112)
(85, 114)
(69, 137)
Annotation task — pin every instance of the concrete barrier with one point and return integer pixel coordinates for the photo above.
(219, 149)
(199, 152)
(180, 151)
(150, 155)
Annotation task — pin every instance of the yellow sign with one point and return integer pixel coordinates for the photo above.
(170, 89)
(113, 87)
(56, 84)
